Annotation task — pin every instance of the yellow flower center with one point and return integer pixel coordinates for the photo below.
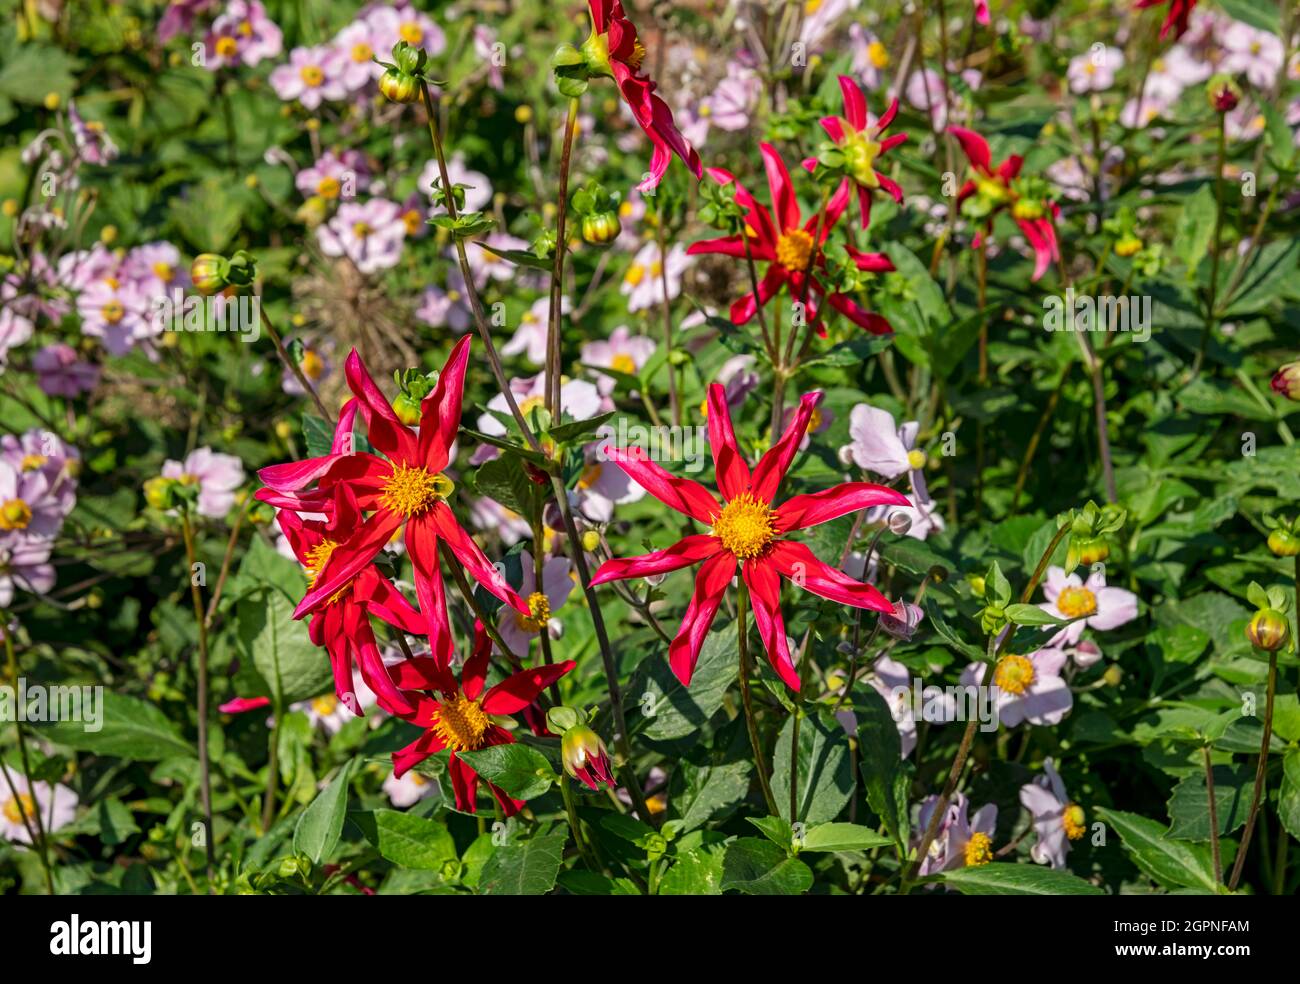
(15, 515)
(1073, 819)
(163, 271)
(539, 608)
(638, 55)
(31, 462)
(226, 47)
(811, 7)
(412, 491)
(745, 526)
(1076, 602)
(411, 33)
(325, 705)
(623, 363)
(113, 312)
(362, 52)
(16, 809)
(794, 249)
(979, 850)
(411, 219)
(590, 475)
(317, 557)
(915, 459)
(635, 274)
(328, 187)
(361, 229)
(460, 723)
(877, 54)
(312, 365)
(1014, 674)
(312, 75)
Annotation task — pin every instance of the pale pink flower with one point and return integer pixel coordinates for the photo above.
(1090, 603)
(312, 75)
(370, 234)
(218, 477)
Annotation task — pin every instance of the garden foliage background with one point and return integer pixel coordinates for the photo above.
(1098, 522)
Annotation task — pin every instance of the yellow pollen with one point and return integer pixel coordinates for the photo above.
(590, 475)
(15, 515)
(1073, 820)
(113, 312)
(317, 557)
(313, 366)
(362, 52)
(163, 271)
(915, 459)
(16, 809)
(656, 268)
(745, 526)
(328, 187)
(1014, 674)
(411, 33)
(623, 363)
(539, 607)
(412, 491)
(794, 249)
(418, 780)
(361, 229)
(226, 47)
(877, 54)
(656, 803)
(638, 55)
(246, 28)
(635, 274)
(325, 705)
(1076, 602)
(814, 421)
(312, 75)
(625, 210)
(811, 7)
(31, 462)
(411, 219)
(460, 723)
(979, 850)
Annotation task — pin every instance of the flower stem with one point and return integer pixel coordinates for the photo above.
(571, 810)
(1214, 815)
(746, 698)
(1215, 243)
(35, 827)
(200, 617)
(293, 366)
(1260, 771)
(272, 773)
(553, 333)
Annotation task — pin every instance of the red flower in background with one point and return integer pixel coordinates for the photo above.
(1180, 12)
(615, 49)
(862, 142)
(994, 185)
(747, 530)
(342, 624)
(405, 487)
(786, 244)
(460, 717)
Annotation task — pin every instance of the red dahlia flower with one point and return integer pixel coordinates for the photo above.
(994, 187)
(342, 624)
(459, 718)
(786, 245)
(746, 529)
(860, 141)
(404, 487)
(1180, 12)
(615, 50)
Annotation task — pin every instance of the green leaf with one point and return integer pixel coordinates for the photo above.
(291, 665)
(525, 867)
(1001, 878)
(1195, 226)
(825, 778)
(1172, 863)
(842, 837)
(28, 72)
(697, 872)
(321, 824)
(579, 430)
(1288, 800)
(775, 829)
(1262, 14)
(1189, 805)
(1032, 615)
(406, 839)
(505, 480)
(115, 821)
(707, 791)
(520, 257)
(758, 867)
(673, 710)
(521, 771)
(130, 729)
(884, 777)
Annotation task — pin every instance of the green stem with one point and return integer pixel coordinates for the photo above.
(200, 617)
(747, 700)
(36, 827)
(1214, 246)
(1260, 771)
(553, 346)
(1214, 815)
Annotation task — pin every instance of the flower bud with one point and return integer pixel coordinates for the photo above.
(585, 757)
(1286, 381)
(601, 228)
(399, 86)
(159, 492)
(1269, 630)
(208, 271)
(1126, 246)
(241, 269)
(1284, 543)
(407, 409)
(1092, 550)
(409, 59)
(1223, 93)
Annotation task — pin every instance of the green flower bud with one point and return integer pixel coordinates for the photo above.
(1269, 630)
(601, 228)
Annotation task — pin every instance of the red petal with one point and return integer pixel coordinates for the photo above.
(710, 585)
(975, 147)
(516, 692)
(797, 562)
(440, 411)
(855, 106)
(682, 494)
(778, 180)
(388, 434)
(773, 465)
(765, 590)
(468, 553)
(729, 464)
(685, 552)
(803, 511)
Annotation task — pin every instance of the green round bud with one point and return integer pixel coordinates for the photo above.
(1269, 630)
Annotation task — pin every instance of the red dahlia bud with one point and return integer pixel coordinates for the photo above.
(208, 272)
(1286, 381)
(1269, 630)
(585, 757)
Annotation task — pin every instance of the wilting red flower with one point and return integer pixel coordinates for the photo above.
(615, 49)
(1180, 11)
(459, 718)
(786, 244)
(342, 624)
(404, 487)
(745, 529)
(995, 185)
(860, 140)
(585, 757)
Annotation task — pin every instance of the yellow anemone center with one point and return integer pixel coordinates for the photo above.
(163, 271)
(15, 515)
(328, 187)
(539, 608)
(362, 52)
(113, 312)
(31, 462)
(312, 75)
(979, 850)
(635, 274)
(312, 365)
(325, 705)
(411, 32)
(460, 723)
(1014, 674)
(412, 491)
(877, 54)
(915, 459)
(1073, 819)
(794, 249)
(623, 363)
(745, 526)
(226, 47)
(361, 229)
(411, 219)
(16, 809)
(1076, 602)
(590, 475)
(317, 557)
